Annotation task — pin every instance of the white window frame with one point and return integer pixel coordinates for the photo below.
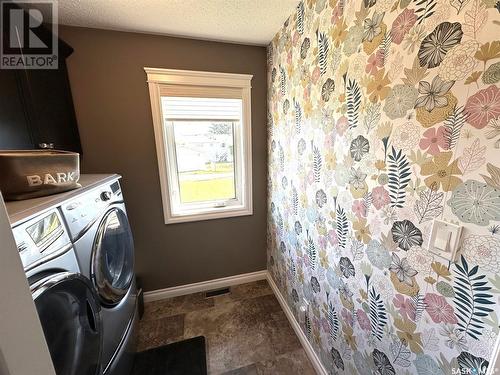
(202, 84)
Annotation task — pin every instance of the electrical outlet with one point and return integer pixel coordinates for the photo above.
(303, 310)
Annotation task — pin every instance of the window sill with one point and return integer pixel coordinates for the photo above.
(202, 216)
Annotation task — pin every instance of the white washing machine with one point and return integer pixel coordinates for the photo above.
(66, 301)
(101, 235)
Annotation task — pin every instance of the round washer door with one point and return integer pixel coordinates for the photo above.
(69, 313)
(112, 263)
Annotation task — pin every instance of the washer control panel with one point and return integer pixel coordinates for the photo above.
(83, 210)
(40, 237)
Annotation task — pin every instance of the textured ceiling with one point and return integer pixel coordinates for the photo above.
(238, 21)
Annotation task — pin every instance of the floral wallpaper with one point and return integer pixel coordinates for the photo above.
(385, 115)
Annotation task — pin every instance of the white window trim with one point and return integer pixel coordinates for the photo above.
(156, 78)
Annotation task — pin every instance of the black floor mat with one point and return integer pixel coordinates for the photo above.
(186, 357)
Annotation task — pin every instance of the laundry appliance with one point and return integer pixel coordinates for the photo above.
(78, 254)
(66, 301)
(100, 231)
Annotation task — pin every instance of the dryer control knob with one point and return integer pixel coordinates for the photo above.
(106, 195)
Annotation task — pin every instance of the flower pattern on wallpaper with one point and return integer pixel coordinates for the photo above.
(384, 115)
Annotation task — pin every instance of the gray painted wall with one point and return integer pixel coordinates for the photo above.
(114, 118)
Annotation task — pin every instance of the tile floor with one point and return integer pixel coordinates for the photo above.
(247, 333)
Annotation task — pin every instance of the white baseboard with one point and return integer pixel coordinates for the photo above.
(204, 286)
(311, 354)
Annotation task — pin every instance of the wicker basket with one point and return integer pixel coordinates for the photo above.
(28, 174)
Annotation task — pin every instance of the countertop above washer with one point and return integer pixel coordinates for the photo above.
(22, 210)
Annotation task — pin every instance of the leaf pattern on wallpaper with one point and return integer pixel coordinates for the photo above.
(493, 129)
(399, 177)
(488, 51)
(416, 74)
(282, 81)
(357, 250)
(472, 158)
(304, 47)
(282, 247)
(474, 76)
(308, 326)
(361, 14)
(473, 299)
(475, 19)
(323, 46)
(426, 365)
(353, 102)
(400, 353)
(429, 205)
(470, 363)
(453, 125)
(378, 315)
(342, 227)
(459, 4)
(300, 18)
(494, 178)
(337, 358)
(398, 105)
(346, 267)
(493, 322)
(385, 48)
(327, 89)
(372, 116)
(312, 254)
(317, 163)
(295, 200)
(280, 223)
(281, 157)
(425, 9)
(367, 201)
(293, 269)
(333, 319)
(298, 116)
(417, 306)
(286, 106)
(430, 340)
(447, 366)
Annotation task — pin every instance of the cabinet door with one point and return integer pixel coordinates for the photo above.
(14, 129)
(50, 107)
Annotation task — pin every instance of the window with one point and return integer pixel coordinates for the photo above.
(203, 141)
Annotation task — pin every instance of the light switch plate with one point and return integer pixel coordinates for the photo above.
(445, 239)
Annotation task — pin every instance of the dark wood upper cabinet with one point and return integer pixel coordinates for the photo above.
(14, 129)
(50, 108)
(36, 108)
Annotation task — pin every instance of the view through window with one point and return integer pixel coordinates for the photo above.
(203, 134)
(205, 160)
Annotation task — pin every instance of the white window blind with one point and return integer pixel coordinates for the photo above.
(183, 108)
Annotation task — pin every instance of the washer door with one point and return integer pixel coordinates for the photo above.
(69, 312)
(112, 263)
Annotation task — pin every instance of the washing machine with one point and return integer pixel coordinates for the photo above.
(66, 301)
(103, 244)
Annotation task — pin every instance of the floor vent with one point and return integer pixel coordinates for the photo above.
(217, 292)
